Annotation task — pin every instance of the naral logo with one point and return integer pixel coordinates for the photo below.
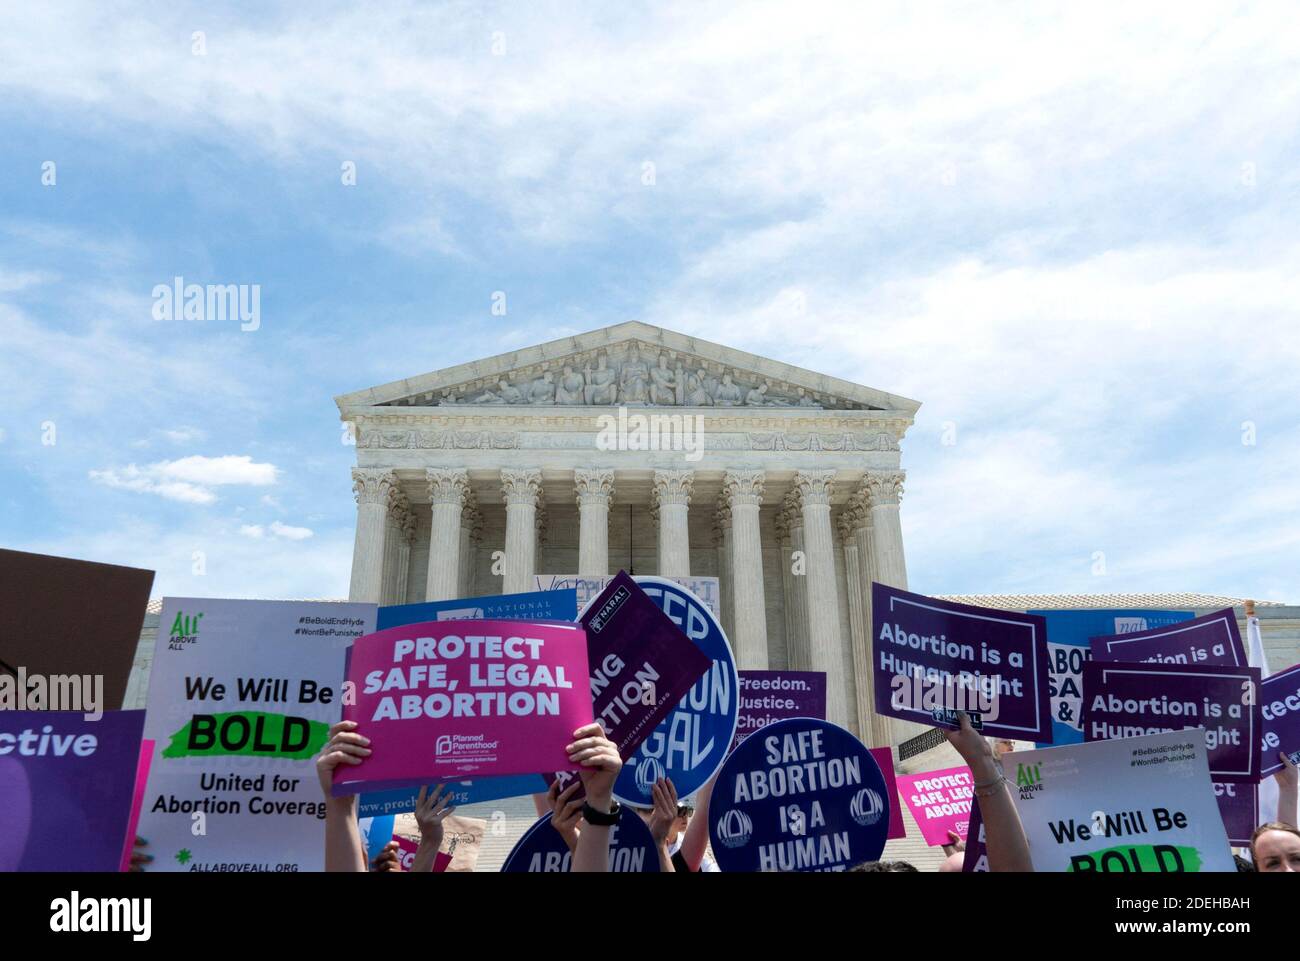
(118, 915)
(442, 745)
(1029, 779)
(647, 772)
(867, 807)
(735, 829)
(185, 630)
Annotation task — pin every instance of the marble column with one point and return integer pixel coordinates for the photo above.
(879, 732)
(465, 563)
(744, 493)
(472, 536)
(672, 493)
(797, 561)
(540, 522)
(884, 490)
(520, 489)
(405, 541)
(851, 518)
(722, 540)
(594, 490)
(371, 487)
(782, 528)
(448, 490)
(825, 638)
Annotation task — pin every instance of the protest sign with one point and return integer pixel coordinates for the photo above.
(143, 762)
(801, 795)
(241, 699)
(446, 700)
(587, 586)
(375, 833)
(407, 848)
(1212, 640)
(1138, 805)
(767, 696)
(940, 801)
(1128, 700)
(1069, 634)
(885, 760)
(690, 744)
(66, 789)
(542, 849)
(932, 658)
(977, 853)
(1279, 702)
(64, 617)
(555, 605)
(1239, 808)
(641, 662)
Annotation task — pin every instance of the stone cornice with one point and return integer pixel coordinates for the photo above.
(534, 361)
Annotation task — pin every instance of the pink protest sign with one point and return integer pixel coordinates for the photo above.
(940, 801)
(408, 848)
(885, 758)
(137, 802)
(445, 700)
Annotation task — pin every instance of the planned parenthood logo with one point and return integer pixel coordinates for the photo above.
(735, 828)
(867, 807)
(647, 773)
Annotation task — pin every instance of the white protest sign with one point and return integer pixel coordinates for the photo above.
(1138, 804)
(241, 697)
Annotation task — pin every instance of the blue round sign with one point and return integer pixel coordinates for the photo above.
(542, 851)
(690, 744)
(799, 795)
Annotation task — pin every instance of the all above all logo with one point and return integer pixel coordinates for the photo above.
(1028, 779)
(185, 630)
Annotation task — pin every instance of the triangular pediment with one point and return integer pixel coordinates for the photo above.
(630, 363)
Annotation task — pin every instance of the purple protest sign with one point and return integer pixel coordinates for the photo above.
(1132, 700)
(641, 663)
(1239, 806)
(767, 696)
(66, 788)
(932, 658)
(1279, 700)
(1210, 640)
(977, 855)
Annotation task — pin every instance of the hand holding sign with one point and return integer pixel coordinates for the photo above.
(345, 746)
(566, 811)
(665, 810)
(598, 757)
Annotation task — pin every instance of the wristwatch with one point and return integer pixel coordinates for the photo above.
(600, 818)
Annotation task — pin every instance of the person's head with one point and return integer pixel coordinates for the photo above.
(684, 814)
(1003, 746)
(1275, 848)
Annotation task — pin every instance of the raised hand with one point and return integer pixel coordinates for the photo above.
(345, 746)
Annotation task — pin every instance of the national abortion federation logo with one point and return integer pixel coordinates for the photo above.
(647, 772)
(867, 807)
(734, 828)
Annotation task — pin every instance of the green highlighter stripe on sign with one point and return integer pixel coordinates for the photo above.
(252, 733)
(1139, 859)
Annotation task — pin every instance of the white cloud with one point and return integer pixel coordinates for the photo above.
(289, 532)
(254, 531)
(188, 479)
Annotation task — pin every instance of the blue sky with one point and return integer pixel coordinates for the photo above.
(1069, 232)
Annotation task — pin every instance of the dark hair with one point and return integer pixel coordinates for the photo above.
(1243, 866)
(885, 867)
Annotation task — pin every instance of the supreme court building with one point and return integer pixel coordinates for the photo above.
(634, 447)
